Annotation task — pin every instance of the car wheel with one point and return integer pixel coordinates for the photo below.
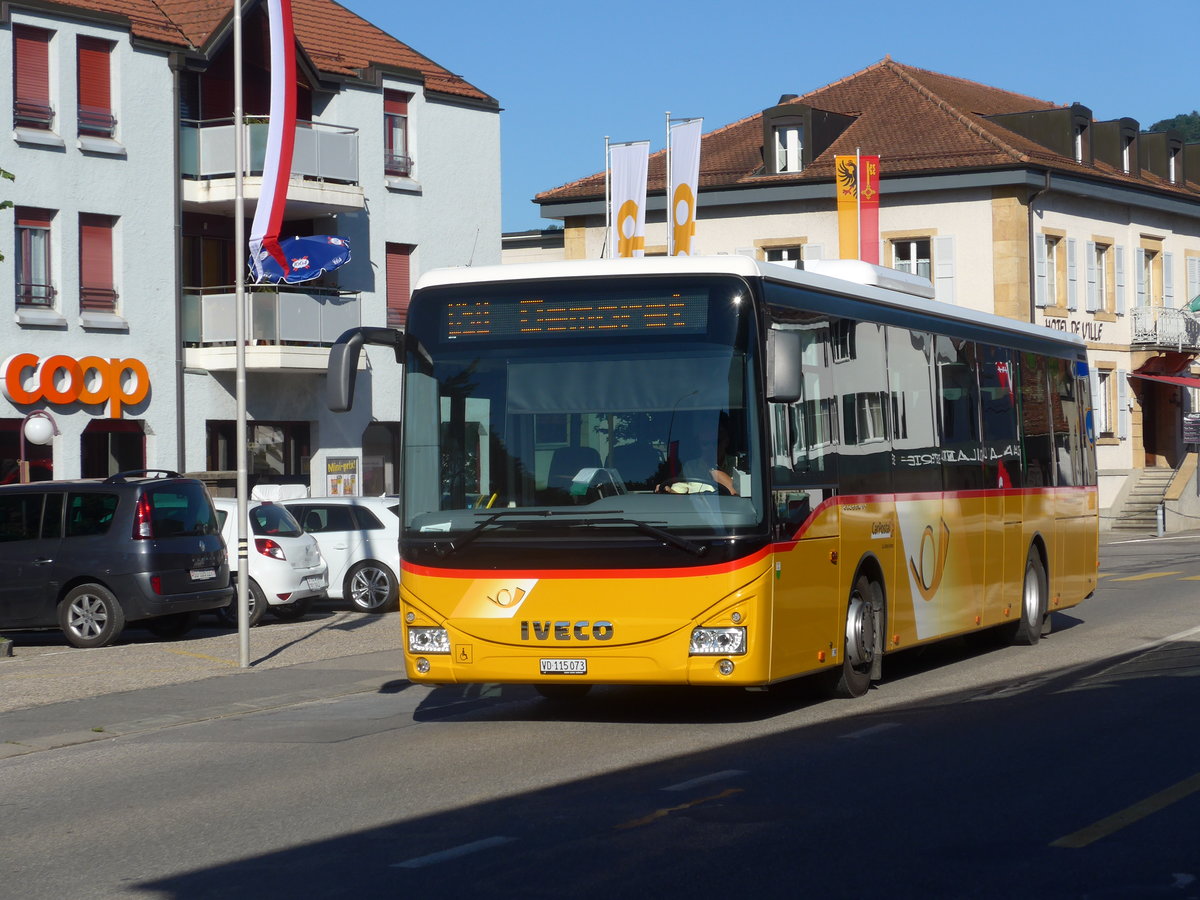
(90, 616)
(290, 612)
(228, 615)
(173, 626)
(371, 587)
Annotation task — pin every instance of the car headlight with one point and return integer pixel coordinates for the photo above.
(428, 640)
(718, 642)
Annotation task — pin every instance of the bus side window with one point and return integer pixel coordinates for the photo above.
(1035, 422)
(997, 388)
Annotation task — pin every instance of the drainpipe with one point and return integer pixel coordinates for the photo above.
(180, 429)
(1045, 189)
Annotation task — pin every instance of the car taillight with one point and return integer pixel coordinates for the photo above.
(268, 547)
(143, 523)
(156, 583)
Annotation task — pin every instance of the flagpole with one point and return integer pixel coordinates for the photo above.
(667, 193)
(858, 200)
(606, 250)
(239, 242)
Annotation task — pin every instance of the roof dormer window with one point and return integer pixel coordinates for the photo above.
(789, 139)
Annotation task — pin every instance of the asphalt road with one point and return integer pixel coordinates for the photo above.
(1069, 769)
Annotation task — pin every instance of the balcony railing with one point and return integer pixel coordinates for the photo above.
(1162, 326)
(279, 315)
(321, 152)
(34, 294)
(32, 114)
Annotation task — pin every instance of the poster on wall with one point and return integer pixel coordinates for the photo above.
(341, 476)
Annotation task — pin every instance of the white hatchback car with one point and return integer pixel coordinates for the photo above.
(360, 539)
(287, 571)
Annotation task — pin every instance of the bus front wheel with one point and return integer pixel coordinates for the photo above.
(864, 615)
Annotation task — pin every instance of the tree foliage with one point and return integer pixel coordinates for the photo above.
(1187, 124)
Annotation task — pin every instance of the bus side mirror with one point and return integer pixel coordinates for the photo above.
(343, 362)
(783, 366)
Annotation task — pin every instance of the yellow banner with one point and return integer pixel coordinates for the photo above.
(846, 169)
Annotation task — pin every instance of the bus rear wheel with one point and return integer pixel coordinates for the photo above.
(1028, 631)
(864, 621)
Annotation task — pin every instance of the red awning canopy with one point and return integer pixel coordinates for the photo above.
(1181, 380)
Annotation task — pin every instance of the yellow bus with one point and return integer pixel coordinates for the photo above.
(715, 471)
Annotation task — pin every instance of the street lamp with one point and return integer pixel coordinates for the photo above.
(38, 427)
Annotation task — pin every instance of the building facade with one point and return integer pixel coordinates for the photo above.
(120, 255)
(1009, 204)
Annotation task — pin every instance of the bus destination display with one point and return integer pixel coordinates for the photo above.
(570, 317)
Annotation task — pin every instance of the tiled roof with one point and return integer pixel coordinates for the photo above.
(918, 122)
(337, 41)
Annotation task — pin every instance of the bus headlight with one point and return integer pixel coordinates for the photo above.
(428, 640)
(718, 642)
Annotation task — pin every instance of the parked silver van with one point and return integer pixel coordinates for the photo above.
(90, 555)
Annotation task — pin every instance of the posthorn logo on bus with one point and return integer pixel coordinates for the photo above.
(566, 631)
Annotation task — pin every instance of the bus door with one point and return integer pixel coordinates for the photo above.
(964, 502)
(802, 471)
(916, 610)
(1004, 548)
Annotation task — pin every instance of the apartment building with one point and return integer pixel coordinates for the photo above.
(1009, 204)
(120, 261)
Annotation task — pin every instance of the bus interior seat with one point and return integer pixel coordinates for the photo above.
(566, 463)
(638, 464)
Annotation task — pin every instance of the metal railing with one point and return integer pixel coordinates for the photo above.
(321, 152)
(1162, 326)
(291, 315)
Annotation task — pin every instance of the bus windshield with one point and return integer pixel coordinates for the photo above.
(537, 412)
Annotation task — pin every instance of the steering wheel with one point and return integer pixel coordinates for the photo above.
(690, 484)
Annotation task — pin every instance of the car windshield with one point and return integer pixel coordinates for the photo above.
(610, 405)
(182, 509)
(273, 521)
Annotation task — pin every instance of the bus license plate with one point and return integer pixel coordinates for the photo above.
(564, 666)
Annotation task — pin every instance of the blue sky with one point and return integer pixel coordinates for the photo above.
(567, 74)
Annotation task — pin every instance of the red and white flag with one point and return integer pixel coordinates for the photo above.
(281, 135)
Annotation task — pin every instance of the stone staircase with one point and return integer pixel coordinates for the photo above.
(1139, 512)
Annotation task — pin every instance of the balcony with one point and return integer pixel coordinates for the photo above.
(289, 328)
(1161, 327)
(324, 166)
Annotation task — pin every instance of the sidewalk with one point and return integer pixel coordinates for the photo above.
(53, 695)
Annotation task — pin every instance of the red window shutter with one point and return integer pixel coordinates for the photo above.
(398, 283)
(94, 78)
(32, 217)
(31, 64)
(395, 103)
(96, 262)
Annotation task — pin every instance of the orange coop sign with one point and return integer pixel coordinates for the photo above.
(61, 380)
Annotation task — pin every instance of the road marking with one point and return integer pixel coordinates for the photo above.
(453, 853)
(663, 813)
(867, 732)
(1180, 537)
(1129, 815)
(1190, 578)
(705, 779)
(1145, 576)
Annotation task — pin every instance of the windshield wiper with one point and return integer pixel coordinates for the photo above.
(445, 549)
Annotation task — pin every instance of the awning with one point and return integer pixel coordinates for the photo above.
(1181, 380)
